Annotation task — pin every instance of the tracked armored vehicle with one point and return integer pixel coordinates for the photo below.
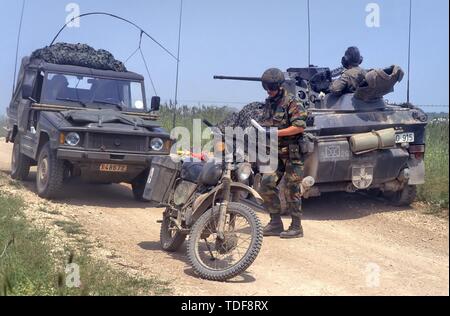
(353, 143)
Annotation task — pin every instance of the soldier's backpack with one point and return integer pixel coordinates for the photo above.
(379, 82)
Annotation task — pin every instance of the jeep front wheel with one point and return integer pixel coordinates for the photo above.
(20, 164)
(50, 173)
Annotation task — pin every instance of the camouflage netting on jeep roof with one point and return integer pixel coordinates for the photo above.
(243, 117)
(81, 55)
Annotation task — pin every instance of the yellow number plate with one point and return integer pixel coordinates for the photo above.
(113, 168)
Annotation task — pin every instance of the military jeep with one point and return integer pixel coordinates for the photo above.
(73, 121)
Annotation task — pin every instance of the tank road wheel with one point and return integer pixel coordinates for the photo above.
(404, 197)
(138, 186)
(171, 239)
(50, 173)
(219, 260)
(20, 164)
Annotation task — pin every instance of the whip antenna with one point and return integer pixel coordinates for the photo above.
(178, 66)
(409, 53)
(17, 46)
(309, 33)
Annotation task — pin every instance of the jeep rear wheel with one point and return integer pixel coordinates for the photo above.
(50, 173)
(20, 164)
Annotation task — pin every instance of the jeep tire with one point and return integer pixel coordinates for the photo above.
(50, 173)
(20, 164)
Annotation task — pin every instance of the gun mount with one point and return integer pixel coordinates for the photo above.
(309, 84)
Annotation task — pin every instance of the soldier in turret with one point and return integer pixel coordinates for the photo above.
(353, 75)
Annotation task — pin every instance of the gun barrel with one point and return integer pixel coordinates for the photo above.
(238, 78)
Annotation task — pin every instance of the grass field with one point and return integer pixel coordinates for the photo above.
(185, 115)
(435, 191)
(29, 264)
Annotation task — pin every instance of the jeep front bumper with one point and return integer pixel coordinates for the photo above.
(104, 157)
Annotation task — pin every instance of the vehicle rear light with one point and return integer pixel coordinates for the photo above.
(416, 149)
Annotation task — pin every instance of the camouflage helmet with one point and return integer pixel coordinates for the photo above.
(272, 79)
(352, 57)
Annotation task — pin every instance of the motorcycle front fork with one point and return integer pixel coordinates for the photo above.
(223, 206)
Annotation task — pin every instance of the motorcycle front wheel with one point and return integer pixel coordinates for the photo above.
(219, 260)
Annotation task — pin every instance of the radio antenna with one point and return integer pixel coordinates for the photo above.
(309, 33)
(143, 32)
(409, 53)
(174, 120)
(17, 46)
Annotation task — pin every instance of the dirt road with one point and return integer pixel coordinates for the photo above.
(353, 245)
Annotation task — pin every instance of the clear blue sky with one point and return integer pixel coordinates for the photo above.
(242, 37)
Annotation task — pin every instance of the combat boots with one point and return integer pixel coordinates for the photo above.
(294, 231)
(275, 226)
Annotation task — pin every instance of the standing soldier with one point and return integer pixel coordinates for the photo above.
(286, 113)
(353, 75)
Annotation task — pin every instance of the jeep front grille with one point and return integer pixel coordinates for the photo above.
(111, 142)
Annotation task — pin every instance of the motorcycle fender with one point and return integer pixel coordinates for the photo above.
(204, 202)
(245, 188)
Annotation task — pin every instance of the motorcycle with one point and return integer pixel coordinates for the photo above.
(203, 200)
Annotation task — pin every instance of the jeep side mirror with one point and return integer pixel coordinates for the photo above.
(156, 104)
(28, 84)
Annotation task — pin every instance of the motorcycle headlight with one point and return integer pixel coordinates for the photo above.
(156, 144)
(244, 172)
(72, 139)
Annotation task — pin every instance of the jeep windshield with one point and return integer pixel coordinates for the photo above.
(92, 92)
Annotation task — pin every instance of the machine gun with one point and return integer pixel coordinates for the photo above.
(258, 79)
(308, 84)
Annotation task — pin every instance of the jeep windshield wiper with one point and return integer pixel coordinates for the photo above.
(119, 106)
(72, 100)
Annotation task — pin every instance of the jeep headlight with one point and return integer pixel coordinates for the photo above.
(244, 172)
(72, 139)
(157, 144)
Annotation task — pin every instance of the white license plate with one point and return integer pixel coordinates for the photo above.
(404, 138)
(113, 168)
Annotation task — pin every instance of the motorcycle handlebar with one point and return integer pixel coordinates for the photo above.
(258, 126)
(207, 123)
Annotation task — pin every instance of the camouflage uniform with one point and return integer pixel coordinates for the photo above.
(282, 112)
(350, 80)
